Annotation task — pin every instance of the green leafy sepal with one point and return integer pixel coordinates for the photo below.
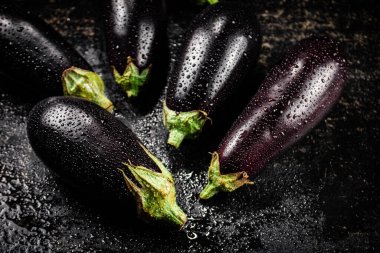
(225, 183)
(155, 195)
(85, 84)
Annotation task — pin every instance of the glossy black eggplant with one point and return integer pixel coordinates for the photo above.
(295, 95)
(34, 54)
(222, 47)
(89, 148)
(136, 42)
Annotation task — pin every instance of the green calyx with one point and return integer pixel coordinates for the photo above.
(203, 2)
(183, 125)
(218, 182)
(85, 84)
(132, 79)
(155, 195)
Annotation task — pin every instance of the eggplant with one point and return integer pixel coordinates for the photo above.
(222, 47)
(93, 151)
(135, 32)
(32, 53)
(296, 95)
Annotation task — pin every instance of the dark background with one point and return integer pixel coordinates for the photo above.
(322, 195)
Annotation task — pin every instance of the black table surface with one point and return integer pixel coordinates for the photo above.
(322, 195)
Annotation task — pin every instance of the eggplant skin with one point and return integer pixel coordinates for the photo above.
(136, 29)
(33, 53)
(92, 151)
(83, 143)
(295, 96)
(223, 44)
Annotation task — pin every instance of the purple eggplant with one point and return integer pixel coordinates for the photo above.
(222, 47)
(94, 152)
(136, 42)
(32, 53)
(295, 95)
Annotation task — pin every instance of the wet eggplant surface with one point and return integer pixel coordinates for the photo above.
(322, 195)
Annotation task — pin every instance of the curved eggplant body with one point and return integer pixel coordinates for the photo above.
(295, 96)
(90, 148)
(34, 54)
(136, 41)
(222, 46)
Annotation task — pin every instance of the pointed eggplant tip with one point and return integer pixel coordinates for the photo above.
(218, 182)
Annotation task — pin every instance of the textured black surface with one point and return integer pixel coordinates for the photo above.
(321, 195)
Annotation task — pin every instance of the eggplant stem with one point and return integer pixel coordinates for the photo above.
(203, 2)
(218, 182)
(85, 84)
(175, 138)
(156, 194)
(132, 78)
(183, 125)
(213, 1)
